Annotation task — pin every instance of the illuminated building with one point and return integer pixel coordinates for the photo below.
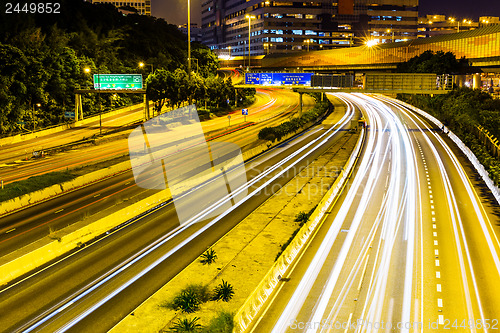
(143, 6)
(284, 26)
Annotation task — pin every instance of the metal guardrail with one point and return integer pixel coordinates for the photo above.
(490, 141)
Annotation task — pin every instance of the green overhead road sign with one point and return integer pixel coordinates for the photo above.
(118, 81)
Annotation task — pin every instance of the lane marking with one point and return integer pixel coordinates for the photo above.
(433, 226)
(10, 230)
(435, 234)
(438, 287)
(440, 302)
(437, 262)
(438, 274)
(98, 194)
(60, 210)
(348, 323)
(436, 252)
(435, 242)
(441, 319)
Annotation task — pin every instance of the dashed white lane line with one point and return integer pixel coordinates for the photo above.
(437, 262)
(10, 230)
(441, 319)
(436, 252)
(438, 274)
(60, 210)
(98, 194)
(435, 242)
(433, 226)
(440, 303)
(438, 287)
(434, 234)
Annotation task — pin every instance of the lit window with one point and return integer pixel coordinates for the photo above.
(297, 32)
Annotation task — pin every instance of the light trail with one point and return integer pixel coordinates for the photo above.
(51, 313)
(397, 211)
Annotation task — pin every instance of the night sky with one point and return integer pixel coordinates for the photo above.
(175, 11)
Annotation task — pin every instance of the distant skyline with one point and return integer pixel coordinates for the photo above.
(175, 11)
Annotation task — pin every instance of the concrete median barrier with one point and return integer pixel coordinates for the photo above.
(261, 293)
(57, 244)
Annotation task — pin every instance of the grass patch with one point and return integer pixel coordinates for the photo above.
(35, 183)
(301, 217)
(222, 323)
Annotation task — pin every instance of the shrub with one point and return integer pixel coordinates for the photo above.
(208, 257)
(185, 325)
(224, 291)
(187, 301)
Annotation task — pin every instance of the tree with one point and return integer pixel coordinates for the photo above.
(208, 62)
(438, 63)
(224, 291)
(160, 87)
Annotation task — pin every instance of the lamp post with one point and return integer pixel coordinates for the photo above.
(389, 31)
(33, 117)
(452, 20)
(308, 41)
(189, 38)
(141, 66)
(87, 71)
(249, 17)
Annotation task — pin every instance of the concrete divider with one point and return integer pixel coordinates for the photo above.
(261, 293)
(63, 241)
(58, 189)
(467, 152)
(44, 132)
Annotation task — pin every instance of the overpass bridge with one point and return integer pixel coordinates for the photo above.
(480, 46)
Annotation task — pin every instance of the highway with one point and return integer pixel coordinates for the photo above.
(28, 225)
(92, 289)
(15, 167)
(412, 245)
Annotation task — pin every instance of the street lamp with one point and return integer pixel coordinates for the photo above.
(452, 20)
(141, 66)
(33, 115)
(249, 17)
(189, 38)
(308, 41)
(389, 31)
(86, 70)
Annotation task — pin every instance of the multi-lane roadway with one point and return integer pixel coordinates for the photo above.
(412, 246)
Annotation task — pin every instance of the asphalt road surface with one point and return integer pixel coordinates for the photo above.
(411, 246)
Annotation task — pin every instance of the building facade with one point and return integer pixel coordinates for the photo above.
(143, 7)
(436, 25)
(284, 26)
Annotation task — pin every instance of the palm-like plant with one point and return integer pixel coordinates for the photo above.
(187, 301)
(185, 325)
(224, 291)
(208, 257)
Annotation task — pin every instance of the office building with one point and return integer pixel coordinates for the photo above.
(285, 26)
(143, 7)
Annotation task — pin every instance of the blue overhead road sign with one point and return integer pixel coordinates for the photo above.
(279, 78)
